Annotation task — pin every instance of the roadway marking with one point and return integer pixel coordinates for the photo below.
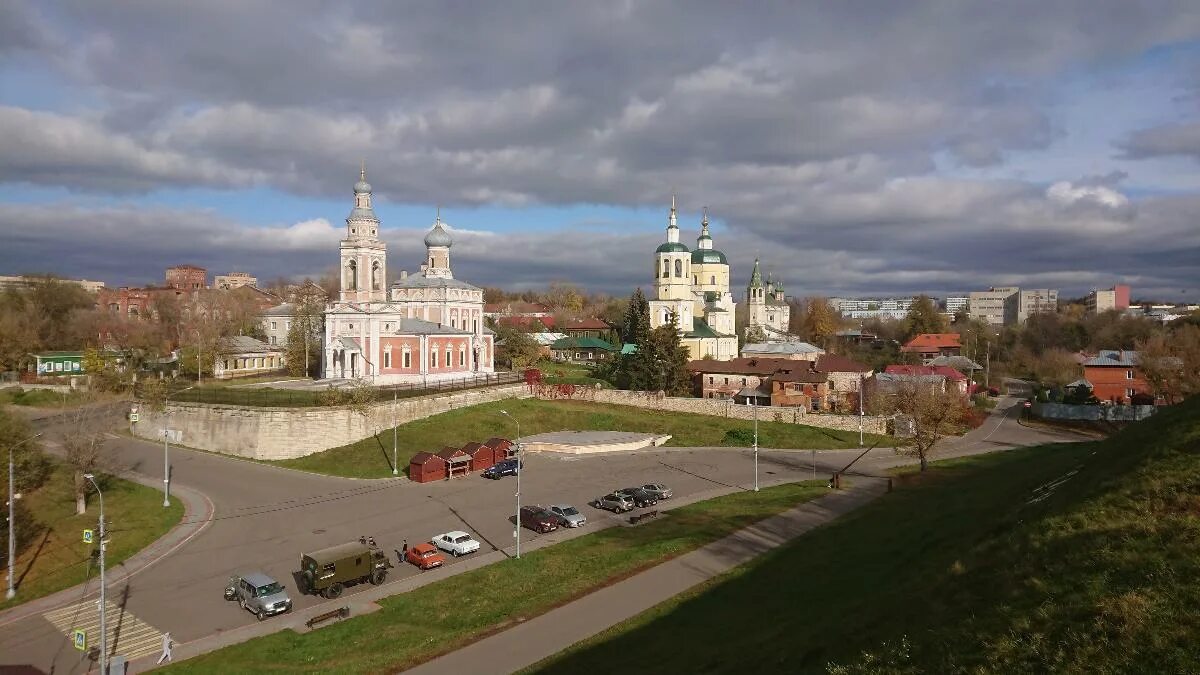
(127, 634)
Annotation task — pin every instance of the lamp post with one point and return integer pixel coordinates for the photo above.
(12, 540)
(517, 522)
(862, 379)
(199, 348)
(755, 404)
(395, 428)
(166, 432)
(103, 627)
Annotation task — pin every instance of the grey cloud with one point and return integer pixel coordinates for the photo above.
(1182, 140)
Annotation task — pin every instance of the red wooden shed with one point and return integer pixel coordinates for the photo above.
(502, 447)
(482, 456)
(458, 463)
(425, 467)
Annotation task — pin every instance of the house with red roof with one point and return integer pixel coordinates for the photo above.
(932, 345)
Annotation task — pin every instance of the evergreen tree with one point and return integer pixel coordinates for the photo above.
(635, 371)
(923, 317)
(636, 325)
(670, 367)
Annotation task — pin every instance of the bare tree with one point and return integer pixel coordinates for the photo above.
(935, 412)
(83, 444)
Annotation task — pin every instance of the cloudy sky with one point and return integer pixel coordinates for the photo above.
(857, 147)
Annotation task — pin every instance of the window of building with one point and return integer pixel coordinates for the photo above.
(387, 358)
(1129, 393)
(710, 379)
(678, 267)
(272, 339)
(350, 326)
(433, 358)
(273, 327)
(696, 279)
(1129, 374)
(666, 269)
(287, 325)
(449, 358)
(407, 359)
(462, 357)
(727, 380)
(712, 280)
(743, 381)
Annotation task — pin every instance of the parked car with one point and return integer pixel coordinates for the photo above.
(327, 572)
(259, 594)
(568, 516)
(617, 503)
(456, 543)
(993, 391)
(505, 467)
(538, 519)
(425, 556)
(639, 496)
(659, 491)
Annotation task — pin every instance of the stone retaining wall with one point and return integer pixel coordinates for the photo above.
(712, 406)
(1112, 413)
(286, 433)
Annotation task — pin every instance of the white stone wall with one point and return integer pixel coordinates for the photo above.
(286, 433)
(716, 407)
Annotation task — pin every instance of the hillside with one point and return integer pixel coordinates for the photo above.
(1074, 558)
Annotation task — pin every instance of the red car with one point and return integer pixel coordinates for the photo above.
(426, 556)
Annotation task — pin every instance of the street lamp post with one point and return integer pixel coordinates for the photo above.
(103, 627)
(12, 539)
(166, 432)
(861, 382)
(755, 400)
(199, 348)
(517, 522)
(395, 428)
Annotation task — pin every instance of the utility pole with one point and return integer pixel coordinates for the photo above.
(517, 522)
(987, 370)
(862, 379)
(755, 399)
(12, 535)
(166, 461)
(103, 626)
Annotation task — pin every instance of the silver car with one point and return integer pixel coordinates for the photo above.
(617, 503)
(568, 515)
(659, 490)
(259, 594)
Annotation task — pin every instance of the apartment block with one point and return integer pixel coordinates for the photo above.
(1036, 301)
(1115, 298)
(998, 306)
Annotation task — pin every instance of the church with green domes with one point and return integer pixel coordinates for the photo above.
(692, 289)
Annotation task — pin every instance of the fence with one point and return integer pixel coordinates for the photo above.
(267, 397)
(1111, 413)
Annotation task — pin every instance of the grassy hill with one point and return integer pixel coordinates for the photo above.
(1073, 558)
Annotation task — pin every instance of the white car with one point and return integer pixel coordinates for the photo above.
(456, 543)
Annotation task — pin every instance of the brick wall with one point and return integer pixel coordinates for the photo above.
(712, 406)
(285, 433)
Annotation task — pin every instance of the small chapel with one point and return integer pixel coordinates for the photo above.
(423, 327)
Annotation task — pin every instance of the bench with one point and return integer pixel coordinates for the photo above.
(339, 613)
(634, 520)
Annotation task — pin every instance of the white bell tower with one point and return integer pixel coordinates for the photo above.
(363, 268)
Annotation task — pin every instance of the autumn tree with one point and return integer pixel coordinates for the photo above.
(935, 409)
(518, 350)
(303, 351)
(820, 321)
(1171, 362)
(924, 317)
(85, 434)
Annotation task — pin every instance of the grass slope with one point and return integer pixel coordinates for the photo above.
(964, 570)
(371, 457)
(59, 559)
(448, 614)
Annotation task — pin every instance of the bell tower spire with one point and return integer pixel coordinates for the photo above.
(363, 253)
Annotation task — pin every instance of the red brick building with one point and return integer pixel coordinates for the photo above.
(932, 345)
(954, 379)
(1115, 377)
(187, 277)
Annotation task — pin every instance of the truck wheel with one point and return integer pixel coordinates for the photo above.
(378, 576)
(333, 591)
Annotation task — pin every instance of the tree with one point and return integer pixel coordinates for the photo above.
(520, 350)
(820, 321)
(1171, 362)
(936, 411)
(83, 441)
(565, 298)
(303, 351)
(923, 317)
(670, 373)
(635, 325)
(634, 371)
(31, 467)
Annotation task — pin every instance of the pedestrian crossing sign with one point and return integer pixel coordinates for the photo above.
(87, 536)
(79, 637)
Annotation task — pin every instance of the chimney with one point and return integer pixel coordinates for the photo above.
(403, 274)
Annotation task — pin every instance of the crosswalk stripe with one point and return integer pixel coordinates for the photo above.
(127, 634)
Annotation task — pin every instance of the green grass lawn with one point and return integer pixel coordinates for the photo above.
(42, 398)
(371, 457)
(960, 570)
(442, 616)
(57, 558)
(561, 372)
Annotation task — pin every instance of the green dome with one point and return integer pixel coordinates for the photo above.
(671, 247)
(708, 256)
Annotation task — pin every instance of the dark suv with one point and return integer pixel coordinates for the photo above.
(538, 519)
(505, 467)
(639, 496)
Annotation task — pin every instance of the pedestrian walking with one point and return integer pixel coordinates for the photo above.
(406, 547)
(399, 558)
(166, 649)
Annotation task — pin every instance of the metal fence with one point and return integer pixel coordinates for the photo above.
(267, 397)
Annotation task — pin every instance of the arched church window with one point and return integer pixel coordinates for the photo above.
(696, 279)
(678, 268)
(376, 273)
(351, 276)
(713, 280)
(666, 268)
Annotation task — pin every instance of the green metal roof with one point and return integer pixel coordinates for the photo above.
(756, 276)
(708, 256)
(671, 247)
(628, 348)
(582, 343)
(701, 329)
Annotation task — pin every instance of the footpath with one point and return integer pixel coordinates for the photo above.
(547, 634)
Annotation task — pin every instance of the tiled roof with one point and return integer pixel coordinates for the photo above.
(944, 371)
(526, 321)
(836, 363)
(587, 324)
(957, 362)
(770, 348)
(799, 375)
(932, 341)
(1113, 358)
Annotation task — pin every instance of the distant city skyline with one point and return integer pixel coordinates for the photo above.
(1013, 148)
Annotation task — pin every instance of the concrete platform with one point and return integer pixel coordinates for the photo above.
(589, 442)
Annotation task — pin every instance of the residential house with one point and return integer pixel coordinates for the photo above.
(1115, 377)
(545, 341)
(855, 336)
(951, 377)
(581, 350)
(829, 383)
(932, 345)
(531, 324)
(240, 356)
(1115, 298)
(892, 384)
(587, 328)
(845, 377)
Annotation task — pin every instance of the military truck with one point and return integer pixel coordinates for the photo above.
(327, 572)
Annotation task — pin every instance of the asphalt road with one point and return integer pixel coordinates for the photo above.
(265, 517)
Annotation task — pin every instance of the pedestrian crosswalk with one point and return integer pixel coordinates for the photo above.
(128, 635)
